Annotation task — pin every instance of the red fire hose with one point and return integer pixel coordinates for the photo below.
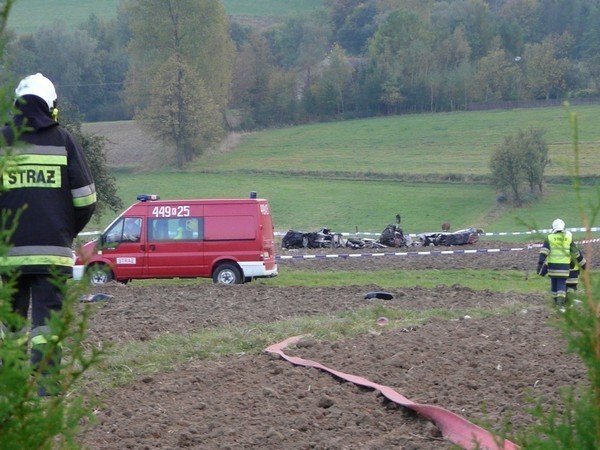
(453, 427)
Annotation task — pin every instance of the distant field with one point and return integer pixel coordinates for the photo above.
(443, 143)
(307, 204)
(28, 15)
(265, 8)
(330, 195)
(459, 143)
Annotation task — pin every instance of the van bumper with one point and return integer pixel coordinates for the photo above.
(257, 270)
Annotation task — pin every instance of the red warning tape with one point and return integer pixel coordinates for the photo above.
(453, 427)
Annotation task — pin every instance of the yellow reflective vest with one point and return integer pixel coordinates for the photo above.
(557, 251)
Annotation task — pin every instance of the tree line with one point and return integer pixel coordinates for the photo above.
(188, 72)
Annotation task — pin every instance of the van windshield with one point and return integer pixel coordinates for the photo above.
(128, 229)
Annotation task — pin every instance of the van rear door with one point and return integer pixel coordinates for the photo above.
(268, 239)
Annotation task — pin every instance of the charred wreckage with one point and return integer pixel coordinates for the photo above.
(391, 236)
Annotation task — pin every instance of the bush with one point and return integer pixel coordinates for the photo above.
(27, 420)
(520, 162)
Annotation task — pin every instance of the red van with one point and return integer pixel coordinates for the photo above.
(228, 240)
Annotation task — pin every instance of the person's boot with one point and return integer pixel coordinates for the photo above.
(45, 358)
(571, 293)
(47, 384)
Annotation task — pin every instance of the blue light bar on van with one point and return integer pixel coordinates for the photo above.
(148, 197)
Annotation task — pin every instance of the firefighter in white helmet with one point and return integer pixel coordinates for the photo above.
(51, 184)
(555, 258)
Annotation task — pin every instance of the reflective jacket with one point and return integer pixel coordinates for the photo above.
(557, 252)
(51, 180)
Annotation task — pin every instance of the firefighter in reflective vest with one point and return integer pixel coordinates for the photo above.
(555, 258)
(51, 187)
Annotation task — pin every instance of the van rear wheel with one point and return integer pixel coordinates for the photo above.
(227, 274)
(100, 274)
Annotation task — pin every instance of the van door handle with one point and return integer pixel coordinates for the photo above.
(152, 247)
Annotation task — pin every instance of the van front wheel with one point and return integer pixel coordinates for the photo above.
(100, 274)
(227, 274)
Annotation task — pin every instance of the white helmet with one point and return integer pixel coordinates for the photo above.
(39, 86)
(558, 225)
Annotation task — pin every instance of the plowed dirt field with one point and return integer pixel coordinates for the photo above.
(484, 370)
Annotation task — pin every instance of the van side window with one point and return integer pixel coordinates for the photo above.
(128, 229)
(230, 228)
(176, 229)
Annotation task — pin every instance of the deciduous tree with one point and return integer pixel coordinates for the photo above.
(251, 76)
(507, 166)
(70, 58)
(545, 71)
(520, 159)
(400, 54)
(334, 81)
(497, 75)
(474, 16)
(535, 150)
(358, 27)
(281, 103)
(185, 44)
(301, 42)
(181, 111)
(95, 154)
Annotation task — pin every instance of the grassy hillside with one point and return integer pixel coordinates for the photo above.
(269, 8)
(445, 143)
(28, 15)
(308, 172)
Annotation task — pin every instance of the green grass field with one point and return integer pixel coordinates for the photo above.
(269, 8)
(341, 175)
(420, 144)
(29, 15)
(308, 204)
